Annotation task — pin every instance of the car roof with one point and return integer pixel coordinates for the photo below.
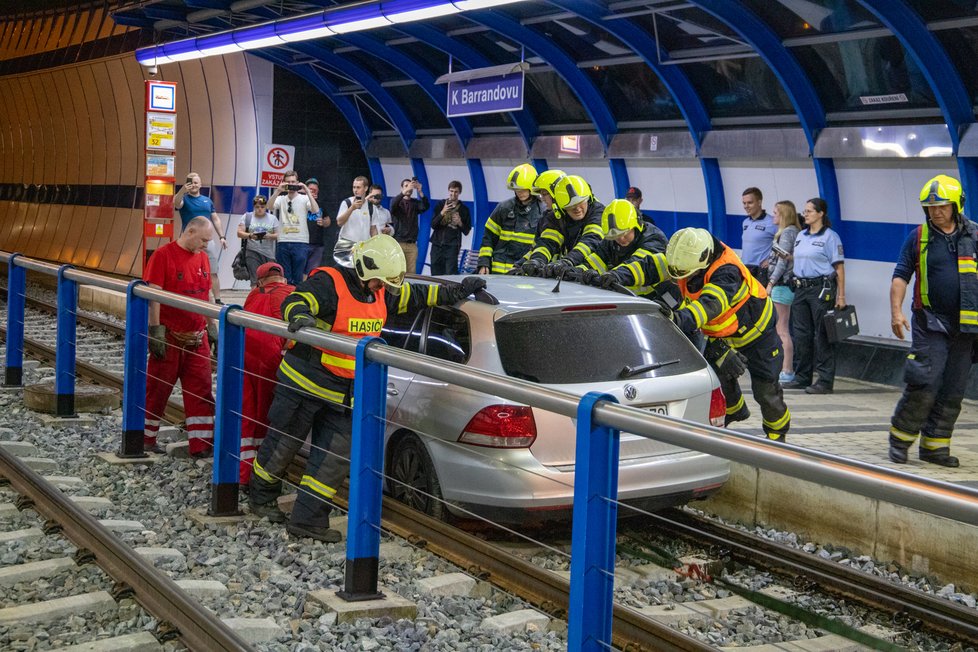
(517, 293)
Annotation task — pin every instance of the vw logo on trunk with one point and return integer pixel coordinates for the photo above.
(630, 392)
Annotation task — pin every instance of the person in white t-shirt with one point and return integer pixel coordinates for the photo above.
(358, 218)
(292, 205)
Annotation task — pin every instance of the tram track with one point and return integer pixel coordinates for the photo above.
(549, 592)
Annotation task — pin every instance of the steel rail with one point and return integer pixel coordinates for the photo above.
(198, 628)
(938, 615)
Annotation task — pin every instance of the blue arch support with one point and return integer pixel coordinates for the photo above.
(619, 177)
(540, 165)
(423, 78)
(525, 122)
(582, 86)
(327, 88)
(480, 204)
(402, 123)
(377, 173)
(677, 83)
(941, 74)
(793, 79)
(424, 220)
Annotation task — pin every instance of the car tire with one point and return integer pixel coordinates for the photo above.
(414, 481)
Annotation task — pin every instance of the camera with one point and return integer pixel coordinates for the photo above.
(152, 70)
(260, 236)
(292, 187)
(358, 198)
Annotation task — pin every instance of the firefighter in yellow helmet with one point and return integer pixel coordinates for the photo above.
(513, 225)
(726, 303)
(315, 384)
(571, 231)
(628, 238)
(941, 253)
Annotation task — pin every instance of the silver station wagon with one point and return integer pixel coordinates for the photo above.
(457, 452)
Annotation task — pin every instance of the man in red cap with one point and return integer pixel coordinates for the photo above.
(263, 353)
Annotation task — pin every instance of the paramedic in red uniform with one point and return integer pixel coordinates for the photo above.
(178, 340)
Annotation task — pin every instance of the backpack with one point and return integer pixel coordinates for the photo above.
(238, 266)
(348, 203)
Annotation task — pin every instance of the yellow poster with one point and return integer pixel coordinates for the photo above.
(161, 131)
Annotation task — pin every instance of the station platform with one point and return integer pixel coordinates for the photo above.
(853, 423)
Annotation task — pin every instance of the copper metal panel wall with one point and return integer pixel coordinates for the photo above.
(247, 146)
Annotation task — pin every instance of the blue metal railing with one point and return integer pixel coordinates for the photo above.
(599, 422)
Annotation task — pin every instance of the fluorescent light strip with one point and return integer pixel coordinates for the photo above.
(320, 24)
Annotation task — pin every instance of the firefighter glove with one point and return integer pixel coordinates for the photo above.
(590, 276)
(731, 364)
(607, 280)
(157, 341)
(212, 333)
(471, 285)
(665, 311)
(301, 320)
(557, 269)
(532, 267)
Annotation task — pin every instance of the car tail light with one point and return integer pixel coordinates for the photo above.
(718, 408)
(501, 426)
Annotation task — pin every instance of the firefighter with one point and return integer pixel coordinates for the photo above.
(543, 187)
(724, 301)
(628, 238)
(571, 233)
(315, 385)
(513, 225)
(941, 253)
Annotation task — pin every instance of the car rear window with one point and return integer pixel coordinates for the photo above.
(580, 345)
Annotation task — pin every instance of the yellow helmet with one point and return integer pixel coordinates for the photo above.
(521, 177)
(380, 257)
(942, 190)
(571, 191)
(546, 180)
(620, 217)
(688, 251)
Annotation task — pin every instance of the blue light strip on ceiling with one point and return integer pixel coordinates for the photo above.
(337, 20)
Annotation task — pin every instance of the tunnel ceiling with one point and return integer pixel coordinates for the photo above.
(607, 67)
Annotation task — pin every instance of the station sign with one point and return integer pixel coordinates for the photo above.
(494, 94)
(278, 159)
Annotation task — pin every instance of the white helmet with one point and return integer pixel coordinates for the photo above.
(380, 257)
(688, 251)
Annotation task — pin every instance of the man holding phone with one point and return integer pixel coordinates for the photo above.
(450, 223)
(191, 204)
(292, 204)
(406, 211)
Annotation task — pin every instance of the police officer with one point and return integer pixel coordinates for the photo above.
(513, 225)
(724, 301)
(941, 252)
(571, 233)
(628, 238)
(315, 384)
(820, 285)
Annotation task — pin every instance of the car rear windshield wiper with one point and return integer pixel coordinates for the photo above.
(628, 371)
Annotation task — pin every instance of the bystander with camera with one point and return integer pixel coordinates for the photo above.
(450, 223)
(318, 223)
(292, 205)
(190, 203)
(258, 231)
(406, 211)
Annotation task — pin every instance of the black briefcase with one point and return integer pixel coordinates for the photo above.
(841, 324)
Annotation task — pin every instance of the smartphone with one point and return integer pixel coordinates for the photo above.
(293, 187)
(190, 179)
(414, 178)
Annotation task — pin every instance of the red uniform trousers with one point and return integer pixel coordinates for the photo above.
(193, 367)
(259, 389)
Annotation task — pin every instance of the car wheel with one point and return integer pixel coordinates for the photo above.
(414, 482)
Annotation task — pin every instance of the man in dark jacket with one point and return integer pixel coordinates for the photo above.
(450, 222)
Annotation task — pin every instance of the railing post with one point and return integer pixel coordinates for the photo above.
(227, 416)
(64, 363)
(366, 477)
(16, 291)
(134, 374)
(593, 536)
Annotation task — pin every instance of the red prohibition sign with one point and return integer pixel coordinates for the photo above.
(278, 158)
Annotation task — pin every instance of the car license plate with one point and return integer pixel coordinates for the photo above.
(657, 409)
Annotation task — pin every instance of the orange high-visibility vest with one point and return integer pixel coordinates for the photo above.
(725, 324)
(354, 318)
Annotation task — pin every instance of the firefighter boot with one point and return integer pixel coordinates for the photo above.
(898, 454)
(940, 457)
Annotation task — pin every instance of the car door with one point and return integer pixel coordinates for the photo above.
(404, 332)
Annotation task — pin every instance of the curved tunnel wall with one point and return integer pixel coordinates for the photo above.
(71, 145)
(72, 138)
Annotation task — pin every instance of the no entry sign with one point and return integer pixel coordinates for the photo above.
(276, 161)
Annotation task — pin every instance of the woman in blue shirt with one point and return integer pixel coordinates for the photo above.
(820, 286)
